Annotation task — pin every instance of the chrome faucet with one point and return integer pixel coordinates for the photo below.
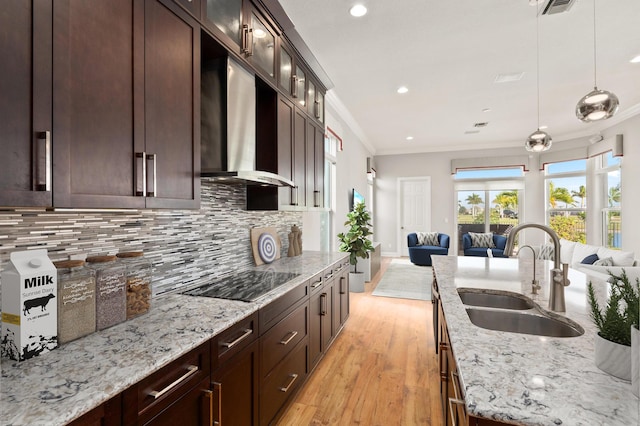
(535, 285)
(558, 280)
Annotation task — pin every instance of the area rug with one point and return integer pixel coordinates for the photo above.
(404, 280)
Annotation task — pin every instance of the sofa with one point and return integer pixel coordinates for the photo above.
(420, 254)
(596, 261)
(499, 241)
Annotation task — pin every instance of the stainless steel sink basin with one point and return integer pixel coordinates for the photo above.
(494, 299)
(526, 323)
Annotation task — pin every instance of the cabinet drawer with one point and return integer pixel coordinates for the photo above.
(233, 340)
(283, 337)
(283, 382)
(155, 393)
(279, 308)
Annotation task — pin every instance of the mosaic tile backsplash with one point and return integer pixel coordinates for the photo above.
(185, 247)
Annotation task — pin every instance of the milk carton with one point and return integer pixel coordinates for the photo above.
(29, 316)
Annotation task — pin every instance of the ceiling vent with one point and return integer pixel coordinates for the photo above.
(483, 124)
(551, 7)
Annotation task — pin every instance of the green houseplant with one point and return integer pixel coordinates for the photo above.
(355, 242)
(615, 323)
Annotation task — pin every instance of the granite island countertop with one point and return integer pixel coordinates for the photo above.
(59, 386)
(527, 379)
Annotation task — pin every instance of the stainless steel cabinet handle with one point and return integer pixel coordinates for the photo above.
(153, 192)
(141, 174)
(247, 40)
(293, 379)
(316, 109)
(316, 203)
(323, 304)
(286, 341)
(208, 395)
(317, 283)
(294, 86)
(191, 370)
(328, 276)
(247, 333)
(218, 388)
(43, 163)
(443, 374)
(342, 281)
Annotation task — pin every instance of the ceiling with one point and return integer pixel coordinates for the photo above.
(448, 54)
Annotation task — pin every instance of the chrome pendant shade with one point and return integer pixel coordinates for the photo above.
(538, 141)
(597, 105)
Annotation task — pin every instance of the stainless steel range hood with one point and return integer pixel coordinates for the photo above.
(228, 117)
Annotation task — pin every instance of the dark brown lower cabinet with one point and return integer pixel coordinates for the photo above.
(106, 414)
(235, 389)
(282, 382)
(176, 394)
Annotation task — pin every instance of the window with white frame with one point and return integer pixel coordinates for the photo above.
(607, 177)
(566, 199)
(332, 144)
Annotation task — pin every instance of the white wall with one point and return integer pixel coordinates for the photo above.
(443, 204)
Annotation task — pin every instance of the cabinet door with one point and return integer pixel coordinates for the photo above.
(235, 389)
(315, 328)
(299, 87)
(106, 414)
(328, 326)
(286, 70)
(341, 305)
(224, 19)
(172, 106)
(299, 158)
(98, 61)
(259, 43)
(25, 103)
(318, 173)
(285, 149)
(310, 165)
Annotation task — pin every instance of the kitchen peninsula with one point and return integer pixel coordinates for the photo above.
(525, 379)
(60, 386)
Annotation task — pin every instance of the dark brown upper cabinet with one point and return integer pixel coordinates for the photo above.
(126, 101)
(245, 31)
(25, 104)
(191, 6)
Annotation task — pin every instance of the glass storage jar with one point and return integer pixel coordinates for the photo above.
(76, 300)
(138, 282)
(110, 291)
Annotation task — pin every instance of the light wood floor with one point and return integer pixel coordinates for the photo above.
(380, 370)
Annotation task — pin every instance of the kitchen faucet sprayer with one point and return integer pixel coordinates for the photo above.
(559, 279)
(535, 285)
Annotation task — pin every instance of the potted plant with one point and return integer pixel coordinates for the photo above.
(615, 323)
(355, 242)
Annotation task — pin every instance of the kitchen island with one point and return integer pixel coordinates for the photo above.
(528, 379)
(59, 386)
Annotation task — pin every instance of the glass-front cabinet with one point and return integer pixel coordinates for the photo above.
(225, 18)
(311, 96)
(299, 89)
(286, 71)
(259, 44)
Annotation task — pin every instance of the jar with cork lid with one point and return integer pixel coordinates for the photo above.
(138, 282)
(76, 300)
(110, 291)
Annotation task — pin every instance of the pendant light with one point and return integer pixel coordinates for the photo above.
(539, 140)
(597, 104)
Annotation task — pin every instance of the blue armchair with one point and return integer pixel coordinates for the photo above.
(421, 255)
(498, 251)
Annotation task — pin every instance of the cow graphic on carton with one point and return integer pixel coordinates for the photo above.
(38, 301)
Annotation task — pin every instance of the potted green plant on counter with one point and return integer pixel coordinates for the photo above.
(355, 242)
(615, 324)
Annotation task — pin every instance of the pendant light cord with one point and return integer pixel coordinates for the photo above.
(538, 58)
(595, 85)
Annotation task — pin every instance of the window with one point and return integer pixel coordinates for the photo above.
(332, 144)
(566, 196)
(487, 200)
(607, 177)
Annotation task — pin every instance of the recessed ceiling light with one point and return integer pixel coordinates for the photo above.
(403, 89)
(409, 138)
(358, 10)
(635, 60)
(486, 110)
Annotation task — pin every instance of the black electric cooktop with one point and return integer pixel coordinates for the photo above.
(246, 285)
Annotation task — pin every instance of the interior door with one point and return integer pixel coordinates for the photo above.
(415, 208)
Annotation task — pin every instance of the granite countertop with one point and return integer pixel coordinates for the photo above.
(61, 385)
(528, 379)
